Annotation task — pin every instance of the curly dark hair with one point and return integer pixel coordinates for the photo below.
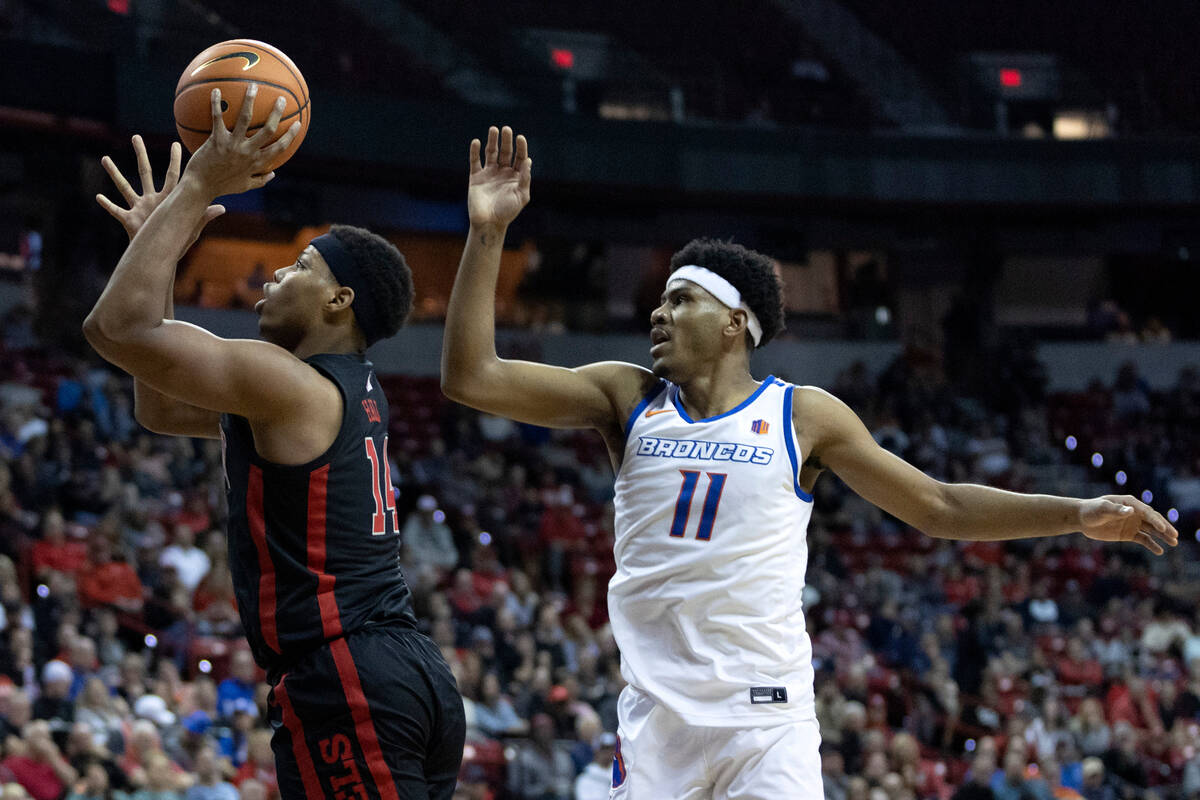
(750, 272)
(386, 272)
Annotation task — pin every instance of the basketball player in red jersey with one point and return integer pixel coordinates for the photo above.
(706, 600)
(363, 705)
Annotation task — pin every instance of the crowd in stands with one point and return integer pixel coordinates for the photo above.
(1031, 670)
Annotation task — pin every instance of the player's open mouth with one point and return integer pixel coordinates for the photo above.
(658, 336)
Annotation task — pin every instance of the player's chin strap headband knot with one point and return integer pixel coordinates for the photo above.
(721, 289)
(347, 273)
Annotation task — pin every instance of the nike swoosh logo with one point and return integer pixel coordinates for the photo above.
(660, 411)
(250, 58)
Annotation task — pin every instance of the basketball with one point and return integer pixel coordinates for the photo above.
(232, 66)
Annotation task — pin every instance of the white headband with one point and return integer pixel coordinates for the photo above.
(721, 289)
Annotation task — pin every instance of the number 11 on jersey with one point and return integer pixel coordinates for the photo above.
(712, 500)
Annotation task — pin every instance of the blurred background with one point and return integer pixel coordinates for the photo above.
(985, 217)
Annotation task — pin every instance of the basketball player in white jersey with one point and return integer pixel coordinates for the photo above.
(714, 474)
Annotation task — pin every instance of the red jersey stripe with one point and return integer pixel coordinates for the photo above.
(331, 619)
(266, 568)
(308, 771)
(360, 712)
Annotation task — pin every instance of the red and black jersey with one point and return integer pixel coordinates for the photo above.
(315, 548)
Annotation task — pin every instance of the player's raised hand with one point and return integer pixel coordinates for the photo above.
(1121, 518)
(234, 161)
(142, 205)
(499, 185)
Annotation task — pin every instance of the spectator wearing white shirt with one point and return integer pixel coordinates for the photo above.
(596, 779)
(190, 562)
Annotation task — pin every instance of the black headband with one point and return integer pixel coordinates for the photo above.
(347, 272)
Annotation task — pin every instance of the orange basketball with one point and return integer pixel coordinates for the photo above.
(231, 67)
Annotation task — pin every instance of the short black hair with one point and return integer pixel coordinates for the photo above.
(750, 272)
(386, 272)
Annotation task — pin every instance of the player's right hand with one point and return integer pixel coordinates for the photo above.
(499, 184)
(141, 206)
(233, 161)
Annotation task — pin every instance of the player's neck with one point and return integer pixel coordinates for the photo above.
(718, 390)
(327, 340)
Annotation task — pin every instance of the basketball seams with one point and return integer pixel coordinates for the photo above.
(279, 56)
(251, 128)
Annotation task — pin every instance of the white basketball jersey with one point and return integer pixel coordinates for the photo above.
(711, 551)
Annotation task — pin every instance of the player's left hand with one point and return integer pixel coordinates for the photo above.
(141, 206)
(1122, 518)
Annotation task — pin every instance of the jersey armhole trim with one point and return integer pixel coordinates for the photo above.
(789, 440)
(641, 406)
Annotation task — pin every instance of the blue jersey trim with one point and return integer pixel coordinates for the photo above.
(768, 381)
(788, 440)
(641, 406)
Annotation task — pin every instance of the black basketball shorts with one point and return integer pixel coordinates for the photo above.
(375, 715)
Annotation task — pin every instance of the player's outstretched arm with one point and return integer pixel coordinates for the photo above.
(836, 438)
(596, 395)
(127, 326)
(153, 409)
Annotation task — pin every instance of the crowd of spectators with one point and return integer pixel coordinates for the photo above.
(1029, 670)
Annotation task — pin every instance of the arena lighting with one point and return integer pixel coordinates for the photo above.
(119, 7)
(1071, 443)
(439, 516)
(43, 591)
(969, 745)
(204, 666)
(1010, 78)
(562, 57)
(151, 641)
(1198, 534)
(1121, 477)
(1097, 460)
(1147, 496)
(1172, 515)
(485, 538)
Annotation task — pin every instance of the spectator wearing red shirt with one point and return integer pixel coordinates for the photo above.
(1077, 669)
(55, 551)
(40, 767)
(106, 582)
(1132, 701)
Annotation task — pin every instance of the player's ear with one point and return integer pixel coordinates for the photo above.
(343, 296)
(737, 322)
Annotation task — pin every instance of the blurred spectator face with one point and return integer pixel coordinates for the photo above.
(159, 777)
(96, 779)
(83, 654)
(857, 788)
(252, 790)
(489, 689)
(876, 767)
(1093, 773)
(19, 709)
(982, 768)
(241, 667)
(905, 749)
(37, 737)
(542, 729)
(833, 763)
(79, 740)
(206, 765)
(1014, 766)
(258, 749)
